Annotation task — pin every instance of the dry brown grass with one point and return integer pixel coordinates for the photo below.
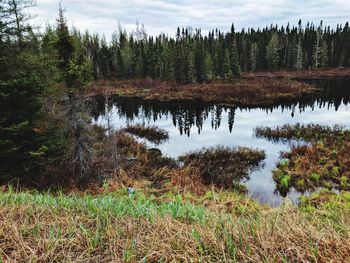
(38, 234)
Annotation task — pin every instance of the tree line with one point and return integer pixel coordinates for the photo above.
(192, 57)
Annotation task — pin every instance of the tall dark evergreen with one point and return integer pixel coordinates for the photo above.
(234, 59)
(199, 60)
(21, 87)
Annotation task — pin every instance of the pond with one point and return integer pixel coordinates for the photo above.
(193, 125)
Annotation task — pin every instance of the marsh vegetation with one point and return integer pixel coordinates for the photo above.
(150, 133)
(322, 162)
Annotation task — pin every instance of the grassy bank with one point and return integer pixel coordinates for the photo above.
(249, 91)
(42, 227)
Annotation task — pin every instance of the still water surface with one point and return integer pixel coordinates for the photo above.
(193, 125)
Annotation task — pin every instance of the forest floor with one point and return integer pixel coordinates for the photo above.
(252, 89)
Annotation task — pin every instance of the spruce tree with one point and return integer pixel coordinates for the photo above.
(199, 63)
(21, 88)
(317, 52)
(299, 56)
(234, 63)
(253, 56)
(272, 56)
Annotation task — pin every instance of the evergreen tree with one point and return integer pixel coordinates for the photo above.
(199, 63)
(272, 56)
(299, 56)
(208, 66)
(234, 63)
(178, 58)
(253, 56)
(324, 55)
(21, 87)
(227, 65)
(317, 52)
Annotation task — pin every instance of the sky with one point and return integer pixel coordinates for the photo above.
(161, 16)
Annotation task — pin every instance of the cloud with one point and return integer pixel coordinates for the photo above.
(165, 16)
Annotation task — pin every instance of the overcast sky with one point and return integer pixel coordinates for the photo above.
(165, 16)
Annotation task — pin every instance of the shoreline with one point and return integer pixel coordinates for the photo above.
(244, 92)
(252, 89)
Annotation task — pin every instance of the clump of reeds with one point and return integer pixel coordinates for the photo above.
(224, 166)
(151, 133)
